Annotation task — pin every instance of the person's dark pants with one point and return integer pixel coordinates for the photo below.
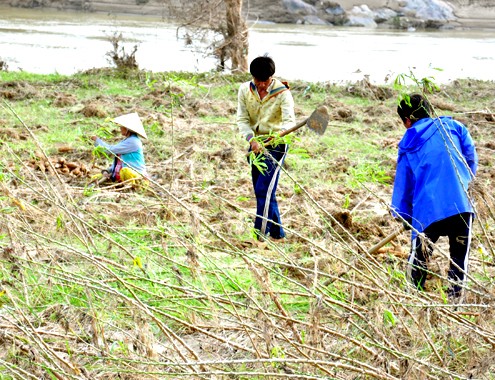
(458, 230)
(265, 183)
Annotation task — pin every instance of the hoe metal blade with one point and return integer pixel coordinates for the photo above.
(318, 121)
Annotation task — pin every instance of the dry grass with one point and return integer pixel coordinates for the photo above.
(115, 284)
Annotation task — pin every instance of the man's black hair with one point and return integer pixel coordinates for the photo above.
(262, 68)
(414, 108)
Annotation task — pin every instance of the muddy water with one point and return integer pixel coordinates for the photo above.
(43, 41)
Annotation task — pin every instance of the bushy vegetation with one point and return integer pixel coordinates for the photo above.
(110, 283)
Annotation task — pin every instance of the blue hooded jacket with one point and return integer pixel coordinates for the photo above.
(437, 160)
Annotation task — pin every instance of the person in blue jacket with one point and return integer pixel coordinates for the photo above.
(128, 163)
(437, 160)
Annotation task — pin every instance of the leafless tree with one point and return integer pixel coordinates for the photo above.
(221, 24)
(119, 56)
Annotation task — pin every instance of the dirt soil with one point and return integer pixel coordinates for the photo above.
(200, 163)
(76, 166)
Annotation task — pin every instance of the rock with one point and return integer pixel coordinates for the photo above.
(396, 5)
(430, 9)
(361, 16)
(361, 21)
(384, 14)
(335, 14)
(299, 7)
(362, 10)
(334, 9)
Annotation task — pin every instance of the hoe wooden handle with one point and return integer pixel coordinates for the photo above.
(287, 131)
(295, 127)
(384, 241)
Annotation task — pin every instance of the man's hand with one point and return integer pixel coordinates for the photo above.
(256, 147)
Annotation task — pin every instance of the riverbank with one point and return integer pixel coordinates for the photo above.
(104, 282)
(48, 41)
(477, 14)
(457, 14)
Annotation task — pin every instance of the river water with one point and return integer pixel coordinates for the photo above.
(44, 41)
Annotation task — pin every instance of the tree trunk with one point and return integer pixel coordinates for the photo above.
(236, 44)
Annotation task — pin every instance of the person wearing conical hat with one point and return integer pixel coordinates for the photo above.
(128, 163)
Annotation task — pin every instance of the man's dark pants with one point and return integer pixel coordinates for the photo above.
(265, 183)
(458, 230)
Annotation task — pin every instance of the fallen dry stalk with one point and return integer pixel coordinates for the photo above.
(169, 289)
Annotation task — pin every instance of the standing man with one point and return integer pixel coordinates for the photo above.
(437, 161)
(265, 106)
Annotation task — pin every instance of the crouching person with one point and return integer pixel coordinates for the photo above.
(128, 164)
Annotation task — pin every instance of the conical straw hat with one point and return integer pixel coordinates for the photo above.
(132, 122)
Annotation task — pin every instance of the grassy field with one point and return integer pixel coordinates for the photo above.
(110, 283)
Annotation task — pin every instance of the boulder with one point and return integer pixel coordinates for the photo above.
(430, 10)
(334, 13)
(299, 7)
(361, 15)
(384, 14)
(334, 9)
